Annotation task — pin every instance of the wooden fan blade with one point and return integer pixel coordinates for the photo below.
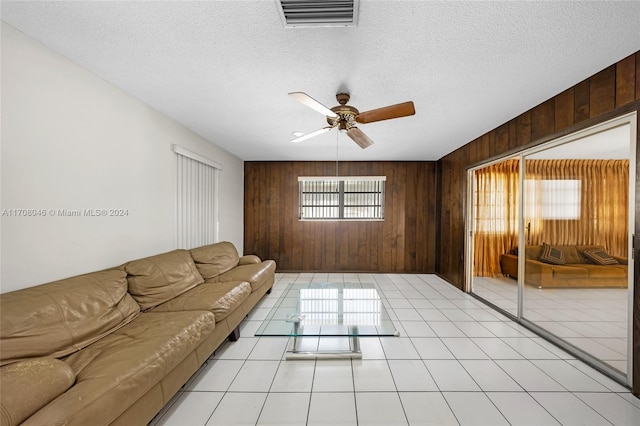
(359, 137)
(386, 113)
(307, 100)
(310, 135)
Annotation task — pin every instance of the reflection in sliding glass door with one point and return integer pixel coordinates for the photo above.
(549, 241)
(576, 216)
(495, 234)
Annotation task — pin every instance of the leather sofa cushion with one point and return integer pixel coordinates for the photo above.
(58, 318)
(215, 259)
(219, 298)
(116, 371)
(156, 279)
(249, 259)
(30, 385)
(254, 274)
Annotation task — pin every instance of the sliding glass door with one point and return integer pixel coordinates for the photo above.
(576, 269)
(495, 233)
(549, 241)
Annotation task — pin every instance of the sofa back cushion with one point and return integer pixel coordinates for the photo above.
(532, 252)
(61, 317)
(156, 279)
(215, 259)
(571, 255)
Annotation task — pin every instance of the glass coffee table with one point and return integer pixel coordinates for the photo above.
(313, 313)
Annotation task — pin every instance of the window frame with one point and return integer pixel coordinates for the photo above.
(377, 195)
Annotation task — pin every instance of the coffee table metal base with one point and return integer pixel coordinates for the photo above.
(296, 351)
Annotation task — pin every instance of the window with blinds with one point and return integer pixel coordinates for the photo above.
(552, 199)
(197, 199)
(341, 198)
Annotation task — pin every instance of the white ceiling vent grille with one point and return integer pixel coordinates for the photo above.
(318, 13)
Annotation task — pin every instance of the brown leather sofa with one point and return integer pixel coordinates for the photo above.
(112, 347)
(576, 272)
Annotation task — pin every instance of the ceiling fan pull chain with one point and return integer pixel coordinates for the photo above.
(337, 135)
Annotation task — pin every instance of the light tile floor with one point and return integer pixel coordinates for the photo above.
(592, 319)
(457, 362)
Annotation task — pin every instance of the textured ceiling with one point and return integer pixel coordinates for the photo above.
(224, 68)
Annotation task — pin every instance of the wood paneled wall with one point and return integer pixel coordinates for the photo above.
(404, 242)
(602, 96)
(607, 94)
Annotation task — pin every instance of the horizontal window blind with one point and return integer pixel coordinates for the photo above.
(341, 198)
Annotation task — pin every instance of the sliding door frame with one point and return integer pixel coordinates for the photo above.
(629, 117)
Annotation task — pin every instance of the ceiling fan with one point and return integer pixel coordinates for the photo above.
(346, 117)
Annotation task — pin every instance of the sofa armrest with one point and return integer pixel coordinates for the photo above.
(30, 385)
(509, 265)
(538, 273)
(249, 259)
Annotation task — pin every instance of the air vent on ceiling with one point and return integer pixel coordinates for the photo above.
(318, 13)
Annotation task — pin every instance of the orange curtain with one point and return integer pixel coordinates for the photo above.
(581, 202)
(495, 211)
(596, 214)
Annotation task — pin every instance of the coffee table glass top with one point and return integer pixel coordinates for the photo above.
(328, 309)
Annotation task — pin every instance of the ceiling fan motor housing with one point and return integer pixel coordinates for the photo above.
(346, 113)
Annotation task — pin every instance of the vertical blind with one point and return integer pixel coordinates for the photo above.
(197, 199)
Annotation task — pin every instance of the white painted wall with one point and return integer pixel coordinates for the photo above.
(72, 141)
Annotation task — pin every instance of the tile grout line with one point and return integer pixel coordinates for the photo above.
(404, 286)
